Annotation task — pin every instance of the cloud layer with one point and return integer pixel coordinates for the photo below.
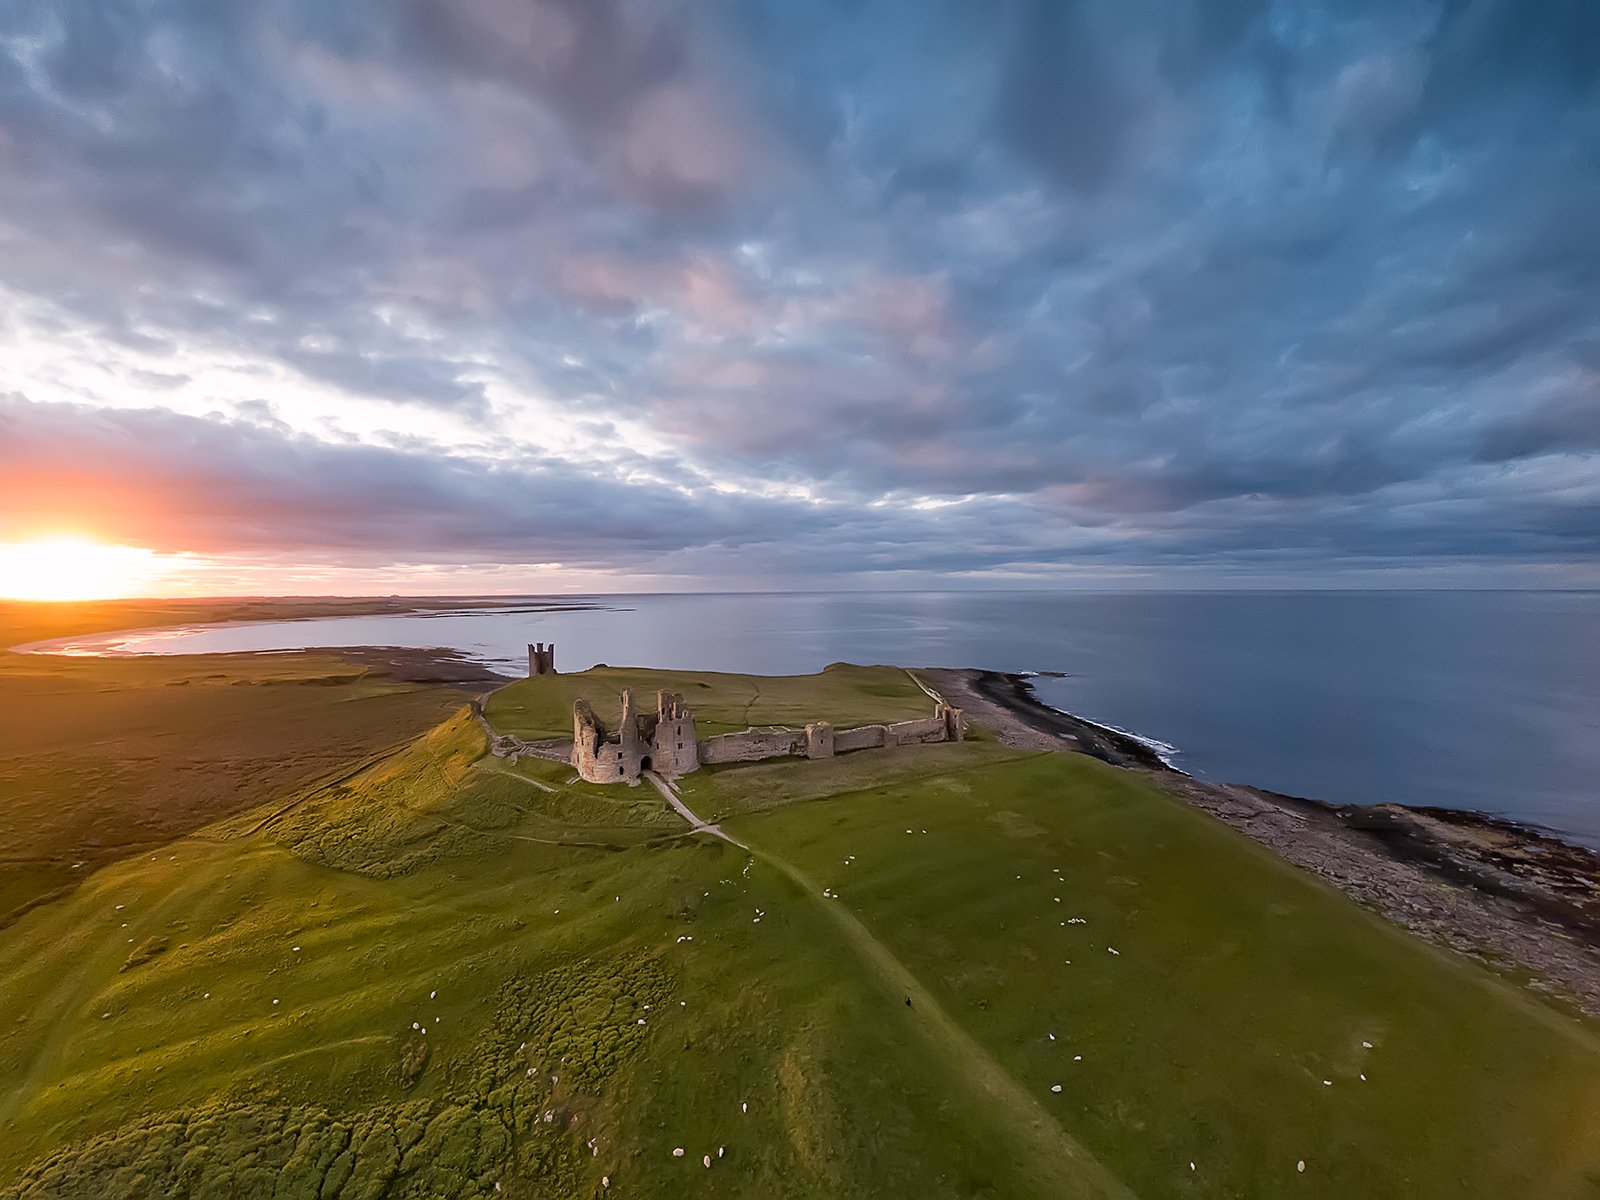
(793, 291)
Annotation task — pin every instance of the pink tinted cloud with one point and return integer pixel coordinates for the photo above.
(704, 293)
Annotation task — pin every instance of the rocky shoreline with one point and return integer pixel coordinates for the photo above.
(1508, 895)
(436, 664)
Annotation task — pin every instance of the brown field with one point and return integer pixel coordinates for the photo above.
(102, 757)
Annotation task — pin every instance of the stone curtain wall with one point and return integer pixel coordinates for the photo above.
(752, 745)
(867, 737)
(905, 733)
(821, 740)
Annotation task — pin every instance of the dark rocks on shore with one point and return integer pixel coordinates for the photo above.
(432, 665)
(1015, 693)
(1480, 885)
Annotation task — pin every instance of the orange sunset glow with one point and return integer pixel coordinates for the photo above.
(75, 568)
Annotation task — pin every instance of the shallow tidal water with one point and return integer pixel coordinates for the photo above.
(1478, 700)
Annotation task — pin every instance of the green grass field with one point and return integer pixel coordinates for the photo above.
(843, 694)
(441, 975)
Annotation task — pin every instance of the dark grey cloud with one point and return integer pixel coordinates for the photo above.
(1569, 422)
(1161, 284)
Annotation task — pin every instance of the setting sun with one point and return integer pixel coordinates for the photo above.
(74, 568)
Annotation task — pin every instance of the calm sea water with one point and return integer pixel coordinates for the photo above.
(1480, 700)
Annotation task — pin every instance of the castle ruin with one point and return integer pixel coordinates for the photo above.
(664, 741)
(541, 659)
(661, 741)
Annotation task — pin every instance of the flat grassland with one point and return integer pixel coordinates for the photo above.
(102, 756)
(937, 971)
(844, 694)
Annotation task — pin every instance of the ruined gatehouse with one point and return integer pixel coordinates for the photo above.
(661, 741)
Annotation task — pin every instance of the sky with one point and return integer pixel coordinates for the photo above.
(541, 295)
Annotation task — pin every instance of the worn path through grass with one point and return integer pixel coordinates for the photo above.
(1038, 1133)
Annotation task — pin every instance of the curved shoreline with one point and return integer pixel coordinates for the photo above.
(1502, 892)
(1115, 746)
(98, 640)
(1122, 747)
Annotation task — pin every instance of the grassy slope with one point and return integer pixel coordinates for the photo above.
(1228, 1030)
(846, 695)
(548, 915)
(101, 756)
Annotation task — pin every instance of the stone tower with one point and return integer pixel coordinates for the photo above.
(541, 659)
(673, 748)
(628, 735)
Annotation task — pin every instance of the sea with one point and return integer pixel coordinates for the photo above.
(1480, 700)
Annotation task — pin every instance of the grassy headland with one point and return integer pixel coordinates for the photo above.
(443, 973)
(843, 694)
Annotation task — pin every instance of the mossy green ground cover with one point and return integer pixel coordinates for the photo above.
(444, 973)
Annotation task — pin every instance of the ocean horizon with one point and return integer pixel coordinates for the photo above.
(1486, 700)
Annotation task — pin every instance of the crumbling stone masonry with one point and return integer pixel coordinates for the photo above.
(541, 659)
(664, 741)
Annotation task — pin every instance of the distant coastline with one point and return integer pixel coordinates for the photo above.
(92, 643)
